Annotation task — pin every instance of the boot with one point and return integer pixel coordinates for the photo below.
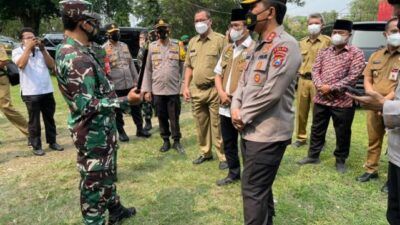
(120, 213)
(122, 136)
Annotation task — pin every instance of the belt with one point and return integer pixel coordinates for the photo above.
(306, 76)
(205, 86)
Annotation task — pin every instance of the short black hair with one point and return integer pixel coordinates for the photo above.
(389, 22)
(69, 23)
(280, 9)
(24, 30)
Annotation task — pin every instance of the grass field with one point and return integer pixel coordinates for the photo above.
(168, 190)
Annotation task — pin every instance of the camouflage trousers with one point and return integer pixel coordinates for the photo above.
(98, 194)
(147, 108)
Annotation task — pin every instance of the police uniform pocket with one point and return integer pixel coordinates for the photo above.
(156, 61)
(259, 73)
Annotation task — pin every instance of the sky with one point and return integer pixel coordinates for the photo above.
(311, 6)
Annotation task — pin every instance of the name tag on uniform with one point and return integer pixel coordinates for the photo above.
(394, 74)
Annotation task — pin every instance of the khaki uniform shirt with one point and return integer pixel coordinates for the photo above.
(3, 57)
(202, 56)
(123, 70)
(309, 51)
(384, 69)
(266, 89)
(162, 75)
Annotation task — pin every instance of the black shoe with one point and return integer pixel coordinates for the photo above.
(223, 165)
(56, 147)
(341, 167)
(308, 160)
(123, 137)
(143, 133)
(166, 146)
(148, 125)
(178, 147)
(121, 214)
(298, 144)
(38, 152)
(226, 181)
(202, 159)
(384, 188)
(367, 176)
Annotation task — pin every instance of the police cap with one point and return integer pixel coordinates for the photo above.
(161, 23)
(111, 27)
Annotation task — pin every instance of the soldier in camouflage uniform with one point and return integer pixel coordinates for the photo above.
(92, 100)
(147, 107)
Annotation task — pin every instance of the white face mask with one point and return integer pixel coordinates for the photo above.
(394, 40)
(201, 27)
(236, 34)
(338, 39)
(314, 29)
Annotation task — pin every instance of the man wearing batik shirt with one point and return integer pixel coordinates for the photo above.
(335, 69)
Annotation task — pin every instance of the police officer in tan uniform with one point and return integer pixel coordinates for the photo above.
(162, 79)
(202, 56)
(5, 99)
(228, 71)
(124, 76)
(380, 75)
(309, 46)
(262, 106)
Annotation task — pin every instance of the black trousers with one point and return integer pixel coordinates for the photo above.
(230, 138)
(136, 113)
(342, 121)
(261, 164)
(393, 210)
(46, 105)
(168, 109)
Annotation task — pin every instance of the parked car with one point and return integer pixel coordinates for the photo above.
(9, 43)
(368, 36)
(51, 41)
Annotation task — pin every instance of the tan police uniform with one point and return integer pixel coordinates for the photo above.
(162, 77)
(124, 77)
(264, 98)
(5, 99)
(202, 56)
(384, 68)
(306, 90)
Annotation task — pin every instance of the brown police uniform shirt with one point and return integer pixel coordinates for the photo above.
(123, 70)
(163, 69)
(266, 89)
(384, 69)
(202, 56)
(309, 51)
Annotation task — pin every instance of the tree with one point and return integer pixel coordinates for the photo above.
(114, 10)
(363, 10)
(29, 12)
(179, 13)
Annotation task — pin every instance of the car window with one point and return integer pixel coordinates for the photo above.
(368, 39)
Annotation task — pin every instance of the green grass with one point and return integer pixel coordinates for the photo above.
(168, 190)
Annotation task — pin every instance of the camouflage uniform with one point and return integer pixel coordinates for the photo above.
(91, 99)
(147, 107)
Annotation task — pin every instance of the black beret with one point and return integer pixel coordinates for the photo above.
(238, 14)
(343, 25)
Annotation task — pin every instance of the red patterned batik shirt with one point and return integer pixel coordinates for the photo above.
(337, 70)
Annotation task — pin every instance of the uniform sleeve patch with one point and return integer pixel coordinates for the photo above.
(279, 56)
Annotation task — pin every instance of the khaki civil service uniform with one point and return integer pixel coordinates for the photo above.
(306, 89)
(202, 56)
(6, 107)
(384, 68)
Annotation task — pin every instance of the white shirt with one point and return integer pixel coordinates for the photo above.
(237, 50)
(35, 77)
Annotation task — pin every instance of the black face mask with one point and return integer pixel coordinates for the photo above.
(115, 36)
(251, 20)
(163, 34)
(93, 36)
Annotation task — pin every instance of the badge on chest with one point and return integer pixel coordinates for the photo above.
(394, 74)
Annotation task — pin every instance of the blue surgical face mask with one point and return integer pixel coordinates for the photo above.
(394, 39)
